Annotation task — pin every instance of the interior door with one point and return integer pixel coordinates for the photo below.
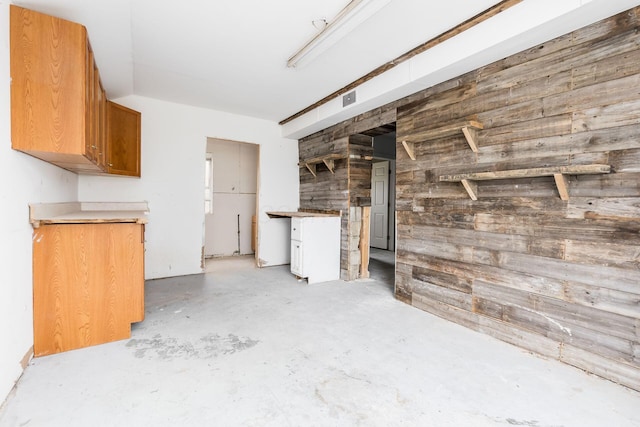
(380, 205)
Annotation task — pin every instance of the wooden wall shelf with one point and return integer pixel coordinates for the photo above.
(469, 128)
(558, 172)
(327, 159)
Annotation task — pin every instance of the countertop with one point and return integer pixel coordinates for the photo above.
(299, 214)
(87, 212)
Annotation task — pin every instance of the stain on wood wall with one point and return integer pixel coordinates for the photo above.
(548, 263)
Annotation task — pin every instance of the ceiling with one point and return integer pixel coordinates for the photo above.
(231, 55)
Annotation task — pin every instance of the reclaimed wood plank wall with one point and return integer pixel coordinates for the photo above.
(360, 156)
(344, 188)
(558, 278)
(555, 277)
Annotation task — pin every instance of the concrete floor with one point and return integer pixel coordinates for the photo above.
(242, 346)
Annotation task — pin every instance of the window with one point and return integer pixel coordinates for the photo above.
(208, 184)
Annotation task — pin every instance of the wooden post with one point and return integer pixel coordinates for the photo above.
(364, 242)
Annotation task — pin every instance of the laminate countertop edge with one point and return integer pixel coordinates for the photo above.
(299, 214)
(87, 213)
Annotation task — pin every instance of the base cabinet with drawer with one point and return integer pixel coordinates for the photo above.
(315, 248)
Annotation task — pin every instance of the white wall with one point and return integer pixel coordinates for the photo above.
(174, 138)
(23, 180)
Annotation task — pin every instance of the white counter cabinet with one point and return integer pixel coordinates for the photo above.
(315, 248)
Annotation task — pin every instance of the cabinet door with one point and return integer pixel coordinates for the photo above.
(88, 284)
(102, 124)
(123, 140)
(297, 254)
(48, 85)
(296, 228)
(91, 116)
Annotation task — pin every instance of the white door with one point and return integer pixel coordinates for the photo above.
(380, 205)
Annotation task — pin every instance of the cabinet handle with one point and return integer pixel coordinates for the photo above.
(110, 164)
(94, 147)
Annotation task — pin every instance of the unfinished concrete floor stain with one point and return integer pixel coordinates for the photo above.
(207, 347)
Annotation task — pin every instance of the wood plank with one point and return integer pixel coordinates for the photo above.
(615, 278)
(442, 279)
(523, 129)
(520, 337)
(603, 333)
(612, 208)
(409, 148)
(607, 116)
(612, 67)
(594, 297)
(445, 311)
(528, 173)
(580, 54)
(540, 246)
(621, 373)
(606, 93)
(330, 164)
(471, 188)
(562, 183)
(444, 131)
(471, 135)
(420, 114)
(590, 230)
(442, 294)
(322, 158)
(311, 167)
(591, 141)
(500, 330)
(364, 242)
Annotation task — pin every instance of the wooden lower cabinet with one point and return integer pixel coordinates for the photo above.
(88, 284)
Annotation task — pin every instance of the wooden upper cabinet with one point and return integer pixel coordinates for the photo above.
(58, 104)
(123, 140)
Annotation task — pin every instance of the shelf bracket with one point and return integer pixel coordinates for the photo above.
(471, 135)
(563, 185)
(330, 164)
(409, 146)
(312, 168)
(471, 187)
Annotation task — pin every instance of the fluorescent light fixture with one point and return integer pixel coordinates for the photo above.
(354, 14)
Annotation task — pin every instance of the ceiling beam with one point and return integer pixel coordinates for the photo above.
(464, 26)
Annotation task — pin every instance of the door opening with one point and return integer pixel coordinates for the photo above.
(231, 182)
(383, 210)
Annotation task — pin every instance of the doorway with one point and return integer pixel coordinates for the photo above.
(383, 220)
(231, 187)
